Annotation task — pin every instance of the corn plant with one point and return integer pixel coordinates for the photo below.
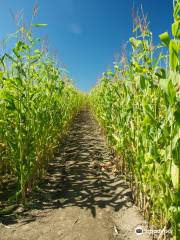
(37, 101)
(138, 106)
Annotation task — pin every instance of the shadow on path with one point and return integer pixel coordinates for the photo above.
(72, 180)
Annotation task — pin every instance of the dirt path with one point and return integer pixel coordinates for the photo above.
(76, 200)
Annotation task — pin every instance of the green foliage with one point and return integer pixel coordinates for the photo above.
(37, 102)
(173, 44)
(140, 110)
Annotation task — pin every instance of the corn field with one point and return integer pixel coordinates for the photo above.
(138, 105)
(37, 102)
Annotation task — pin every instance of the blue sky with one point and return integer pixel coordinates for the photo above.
(87, 34)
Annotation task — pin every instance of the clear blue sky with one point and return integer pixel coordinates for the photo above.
(87, 34)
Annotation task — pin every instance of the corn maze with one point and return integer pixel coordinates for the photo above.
(136, 104)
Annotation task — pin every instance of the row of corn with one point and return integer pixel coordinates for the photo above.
(138, 104)
(37, 102)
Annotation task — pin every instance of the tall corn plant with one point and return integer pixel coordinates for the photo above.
(138, 105)
(170, 89)
(36, 104)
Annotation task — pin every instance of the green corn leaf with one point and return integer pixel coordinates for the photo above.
(176, 153)
(177, 113)
(150, 113)
(176, 12)
(110, 73)
(142, 82)
(165, 38)
(176, 29)
(37, 51)
(164, 84)
(116, 137)
(175, 174)
(16, 53)
(174, 48)
(40, 25)
(171, 93)
(10, 100)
